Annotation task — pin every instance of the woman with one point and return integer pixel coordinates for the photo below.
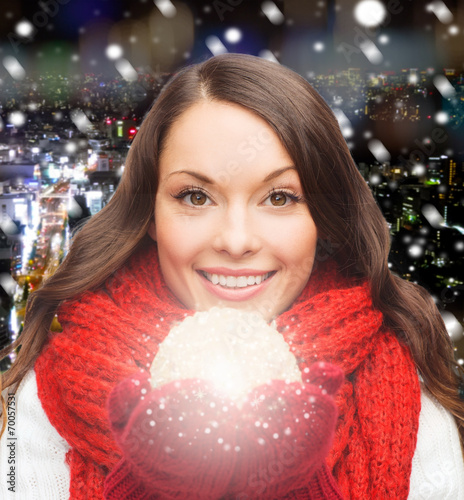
(251, 175)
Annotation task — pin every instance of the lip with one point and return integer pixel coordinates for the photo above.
(233, 272)
(235, 294)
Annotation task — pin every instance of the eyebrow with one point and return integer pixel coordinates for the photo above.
(278, 173)
(207, 180)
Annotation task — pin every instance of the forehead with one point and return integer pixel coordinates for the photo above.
(216, 136)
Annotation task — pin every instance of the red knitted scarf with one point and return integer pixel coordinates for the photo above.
(110, 332)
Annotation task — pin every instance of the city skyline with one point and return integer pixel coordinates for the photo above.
(77, 78)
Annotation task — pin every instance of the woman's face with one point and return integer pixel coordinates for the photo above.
(230, 222)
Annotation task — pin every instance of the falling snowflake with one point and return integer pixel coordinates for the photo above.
(233, 35)
(370, 13)
(114, 51)
(272, 12)
(215, 45)
(256, 402)
(199, 395)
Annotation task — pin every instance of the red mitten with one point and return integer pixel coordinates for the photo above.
(178, 441)
(285, 434)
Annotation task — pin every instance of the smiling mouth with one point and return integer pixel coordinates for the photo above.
(236, 281)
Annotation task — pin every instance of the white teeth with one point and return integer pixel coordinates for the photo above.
(242, 281)
(231, 281)
(235, 281)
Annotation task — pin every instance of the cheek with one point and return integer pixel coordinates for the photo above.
(179, 239)
(297, 249)
(296, 241)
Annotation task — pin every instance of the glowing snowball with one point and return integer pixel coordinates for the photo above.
(233, 35)
(234, 350)
(114, 51)
(24, 28)
(453, 30)
(370, 13)
(319, 46)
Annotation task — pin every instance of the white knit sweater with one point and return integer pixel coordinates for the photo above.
(40, 470)
(39, 451)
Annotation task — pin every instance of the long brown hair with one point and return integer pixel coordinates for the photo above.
(339, 200)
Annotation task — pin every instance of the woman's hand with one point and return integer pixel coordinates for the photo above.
(286, 431)
(182, 440)
(177, 440)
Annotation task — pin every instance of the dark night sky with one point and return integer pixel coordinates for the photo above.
(416, 36)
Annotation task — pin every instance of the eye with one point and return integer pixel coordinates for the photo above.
(278, 199)
(282, 198)
(193, 197)
(197, 198)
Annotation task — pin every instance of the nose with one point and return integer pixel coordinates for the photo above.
(237, 233)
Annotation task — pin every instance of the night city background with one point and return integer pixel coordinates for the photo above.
(77, 77)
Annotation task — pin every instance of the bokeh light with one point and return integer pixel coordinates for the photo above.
(233, 35)
(25, 28)
(370, 13)
(17, 118)
(114, 51)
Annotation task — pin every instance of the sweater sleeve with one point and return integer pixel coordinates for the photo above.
(32, 453)
(437, 465)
